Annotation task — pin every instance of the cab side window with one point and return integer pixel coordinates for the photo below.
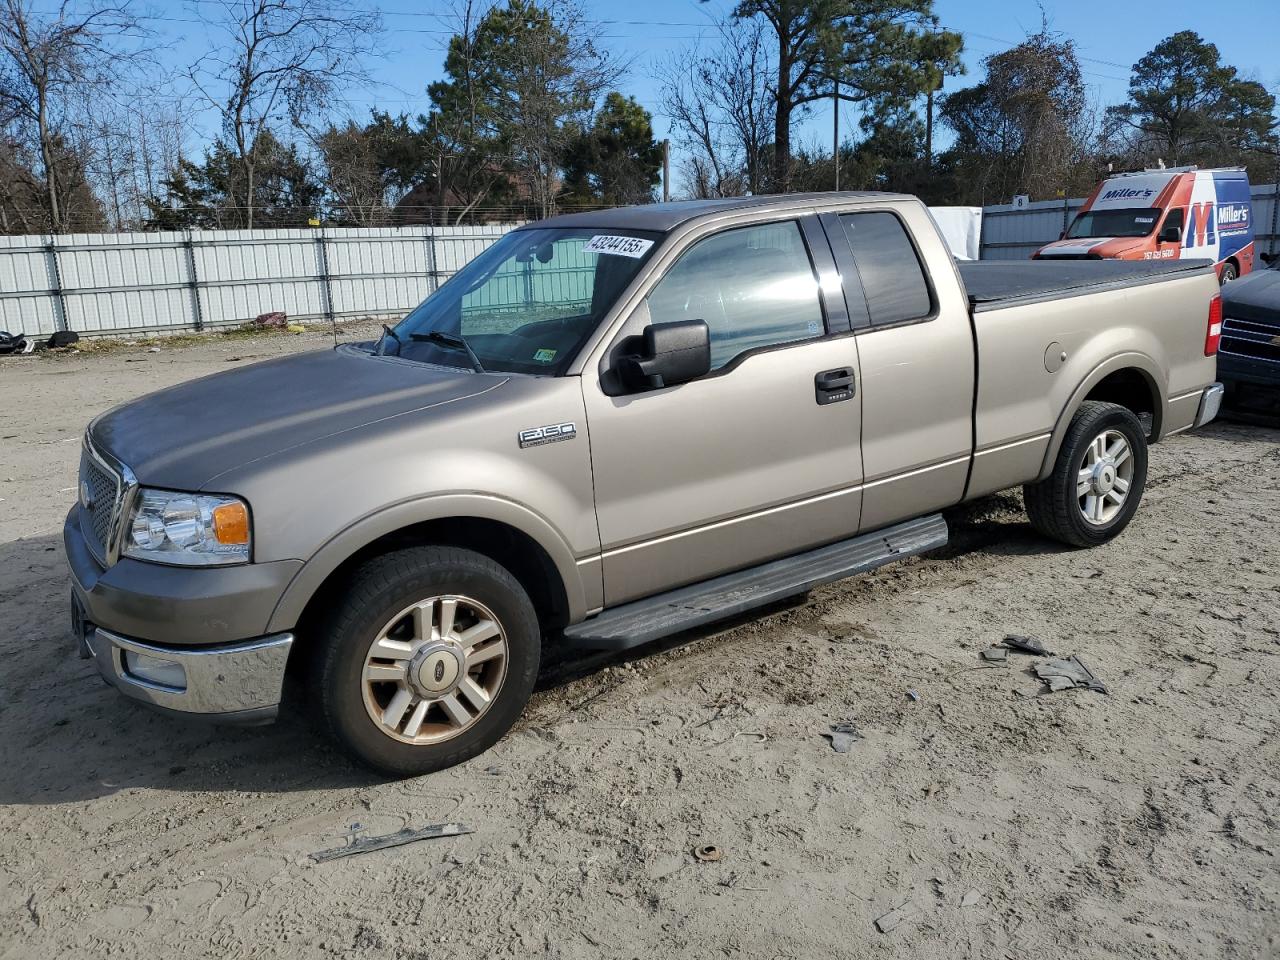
(754, 286)
(1173, 220)
(892, 278)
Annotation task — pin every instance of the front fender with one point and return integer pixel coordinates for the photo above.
(578, 590)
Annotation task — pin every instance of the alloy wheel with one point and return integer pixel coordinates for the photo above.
(1104, 478)
(434, 669)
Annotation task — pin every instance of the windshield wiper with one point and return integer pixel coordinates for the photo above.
(388, 332)
(452, 340)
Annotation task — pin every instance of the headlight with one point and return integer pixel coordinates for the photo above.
(191, 529)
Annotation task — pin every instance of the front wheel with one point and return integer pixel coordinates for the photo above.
(1097, 481)
(429, 658)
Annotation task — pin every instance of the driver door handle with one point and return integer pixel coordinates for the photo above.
(833, 386)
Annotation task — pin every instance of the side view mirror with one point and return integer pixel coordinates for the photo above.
(671, 353)
(1171, 235)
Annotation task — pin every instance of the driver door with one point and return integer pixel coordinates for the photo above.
(745, 464)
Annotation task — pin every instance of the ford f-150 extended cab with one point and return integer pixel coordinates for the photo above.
(607, 428)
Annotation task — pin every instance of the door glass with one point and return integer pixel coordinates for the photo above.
(1174, 219)
(754, 287)
(891, 275)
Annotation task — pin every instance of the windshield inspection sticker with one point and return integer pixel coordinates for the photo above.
(545, 356)
(633, 247)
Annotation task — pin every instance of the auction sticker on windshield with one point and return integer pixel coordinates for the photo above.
(634, 247)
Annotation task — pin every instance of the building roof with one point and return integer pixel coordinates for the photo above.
(667, 216)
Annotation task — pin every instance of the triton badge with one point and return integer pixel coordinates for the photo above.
(551, 433)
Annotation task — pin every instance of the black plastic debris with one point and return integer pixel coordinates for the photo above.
(15, 343)
(1025, 645)
(1068, 674)
(842, 735)
(61, 339)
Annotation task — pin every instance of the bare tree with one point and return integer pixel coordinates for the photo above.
(722, 110)
(1028, 126)
(50, 65)
(20, 191)
(131, 144)
(280, 60)
(353, 174)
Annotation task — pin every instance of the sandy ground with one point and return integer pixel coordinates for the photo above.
(1142, 824)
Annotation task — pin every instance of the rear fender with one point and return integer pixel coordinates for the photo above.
(1140, 362)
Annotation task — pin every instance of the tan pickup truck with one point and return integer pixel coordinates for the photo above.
(607, 428)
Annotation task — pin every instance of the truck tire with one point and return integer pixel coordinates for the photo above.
(1228, 274)
(429, 657)
(1097, 481)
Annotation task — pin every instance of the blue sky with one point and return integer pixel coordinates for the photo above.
(1110, 36)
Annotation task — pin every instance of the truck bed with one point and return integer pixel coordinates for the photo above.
(992, 284)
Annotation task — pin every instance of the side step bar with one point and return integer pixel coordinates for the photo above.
(642, 621)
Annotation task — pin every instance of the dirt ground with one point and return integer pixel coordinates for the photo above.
(1144, 823)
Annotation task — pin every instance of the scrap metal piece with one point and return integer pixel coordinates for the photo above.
(1068, 673)
(369, 844)
(1025, 645)
(842, 735)
(995, 654)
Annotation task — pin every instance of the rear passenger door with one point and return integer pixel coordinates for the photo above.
(753, 461)
(916, 353)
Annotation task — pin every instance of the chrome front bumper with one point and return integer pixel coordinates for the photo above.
(1210, 404)
(237, 683)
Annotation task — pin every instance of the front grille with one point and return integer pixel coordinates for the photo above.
(103, 488)
(1256, 339)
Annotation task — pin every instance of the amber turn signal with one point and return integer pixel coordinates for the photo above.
(231, 523)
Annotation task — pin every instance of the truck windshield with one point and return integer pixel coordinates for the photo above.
(1129, 222)
(525, 305)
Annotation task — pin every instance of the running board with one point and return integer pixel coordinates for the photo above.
(652, 618)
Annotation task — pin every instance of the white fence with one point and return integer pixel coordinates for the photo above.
(130, 283)
(1009, 234)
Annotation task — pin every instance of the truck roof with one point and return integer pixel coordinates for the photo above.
(1147, 171)
(667, 216)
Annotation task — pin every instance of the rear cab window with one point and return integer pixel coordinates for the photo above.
(893, 279)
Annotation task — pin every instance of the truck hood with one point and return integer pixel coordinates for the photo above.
(184, 437)
(1104, 247)
(1255, 297)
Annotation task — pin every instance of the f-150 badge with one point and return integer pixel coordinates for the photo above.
(551, 433)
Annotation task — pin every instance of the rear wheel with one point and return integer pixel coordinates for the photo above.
(429, 658)
(1229, 273)
(1097, 481)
